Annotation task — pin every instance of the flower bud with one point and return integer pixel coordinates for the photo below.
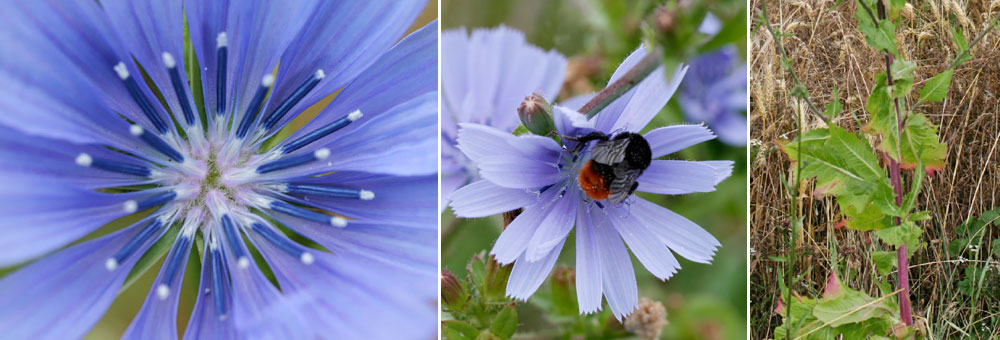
(496, 279)
(536, 115)
(453, 294)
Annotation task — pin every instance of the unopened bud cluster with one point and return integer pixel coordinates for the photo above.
(536, 115)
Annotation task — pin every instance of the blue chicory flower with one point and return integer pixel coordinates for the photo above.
(539, 175)
(100, 123)
(715, 90)
(488, 74)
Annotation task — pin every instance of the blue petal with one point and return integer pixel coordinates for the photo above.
(407, 249)
(407, 71)
(527, 276)
(633, 110)
(555, 227)
(49, 160)
(204, 323)
(648, 248)
(63, 295)
(58, 214)
(147, 29)
(514, 239)
(682, 236)
(258, 33)
(482, 198)
(58, 79)
(401, 141)
(618, 280)
(588, 264)
(344, 296)
(510, 161)
(672, 177)
(158, 317)
(342, 38)
(732, 128)
(406, 201)
(491, 72)
(669, 139)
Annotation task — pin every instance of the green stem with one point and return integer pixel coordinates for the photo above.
(626, 82)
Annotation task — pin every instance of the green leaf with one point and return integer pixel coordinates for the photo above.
(885, 261)
(152, 255)
(996, 247)
(937, 87)
(733, 30)
(895, 7)
(833, 109)
(845, 166)
(961, 43)
(505, 323)
(880, 34)
(902, 76)
(459, 330)
(908, 233)
(919, 139)
(851, 306)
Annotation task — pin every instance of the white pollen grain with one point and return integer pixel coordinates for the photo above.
(131, 206)
(353, 116)
(162, 291)
(135, 130)
(111, 264)
(306, 258)
(243, 262)
(322, 153)
(267, 81)
(320, 74)
(84, 160)
(367, 195)
(338, 221)
(121, 70)
(221, 40)
(168, 60)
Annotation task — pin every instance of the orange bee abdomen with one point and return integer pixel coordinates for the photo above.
(592, 183)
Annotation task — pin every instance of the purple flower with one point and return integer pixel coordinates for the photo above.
(488, 74)
(715, 92)
(539, 175)
(101, 122)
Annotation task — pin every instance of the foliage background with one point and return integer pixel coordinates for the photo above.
(827, 50)
(703, 301)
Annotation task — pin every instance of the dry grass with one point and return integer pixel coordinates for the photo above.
(827, 50)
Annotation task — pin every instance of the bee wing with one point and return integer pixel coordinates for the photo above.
(609, 151)
(623, 185)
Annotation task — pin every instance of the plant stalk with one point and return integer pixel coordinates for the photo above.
(626, 82)
(895, 176)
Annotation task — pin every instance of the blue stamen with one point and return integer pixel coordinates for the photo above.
(218, 283)
(316, 190)
(291, 161)
(321, 132)
(157, 143)
(86, 160)
(173, 265)
(292, 100)
(599, 205)
(306, 214)
(220, 80)
(164, 197)
(281, 242)
(140, 98)
(232, 236)
(179, 87)
(133, 244)
(258, 99)
(545, 188)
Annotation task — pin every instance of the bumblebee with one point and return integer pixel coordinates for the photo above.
(615, 164)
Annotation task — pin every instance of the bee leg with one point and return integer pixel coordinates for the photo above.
(583, 140)
(634, 186)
